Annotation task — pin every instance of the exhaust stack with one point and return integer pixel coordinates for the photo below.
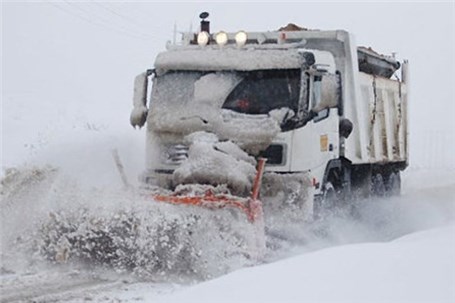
(205, 25)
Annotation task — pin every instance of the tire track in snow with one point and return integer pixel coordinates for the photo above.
(51, 287)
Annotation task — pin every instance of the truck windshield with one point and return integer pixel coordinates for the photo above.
(262, 91)
(255, 92)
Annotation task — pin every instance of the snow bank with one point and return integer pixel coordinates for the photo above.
(416, 268)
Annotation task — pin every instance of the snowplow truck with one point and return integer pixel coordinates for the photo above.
(330, 118)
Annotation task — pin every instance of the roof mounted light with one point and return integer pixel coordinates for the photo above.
(203, 38)
(240, 38)
(221, 38)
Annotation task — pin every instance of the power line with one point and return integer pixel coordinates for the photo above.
(103, 19)
(138, 13)
(105, 13)
(84, 18)
(88, 20)
(127, 18)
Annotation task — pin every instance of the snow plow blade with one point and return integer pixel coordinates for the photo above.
(251, 206)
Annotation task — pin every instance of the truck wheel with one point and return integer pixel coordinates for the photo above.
(393, 185)
(329, 198)
(326, 202)
(377, 186)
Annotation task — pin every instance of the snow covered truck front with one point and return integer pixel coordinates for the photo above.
(255, 95)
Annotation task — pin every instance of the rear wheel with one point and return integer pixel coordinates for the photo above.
(378, 188)
(393, 184)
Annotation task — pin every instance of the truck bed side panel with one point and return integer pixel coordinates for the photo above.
(386, 119)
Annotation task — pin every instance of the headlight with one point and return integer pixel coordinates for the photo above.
(221, 38)
(240, 38)
(203, 38)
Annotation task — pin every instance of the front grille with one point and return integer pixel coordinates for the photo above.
(176, 154)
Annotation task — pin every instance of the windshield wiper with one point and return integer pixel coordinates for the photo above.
(197, 117)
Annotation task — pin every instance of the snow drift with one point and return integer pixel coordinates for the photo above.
(415, 268)
(122, 230)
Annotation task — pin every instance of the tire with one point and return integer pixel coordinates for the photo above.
(393, 185)
(378, 188)
(326, 203)
(330, 197)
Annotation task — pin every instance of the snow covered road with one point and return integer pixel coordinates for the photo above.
(49, 285)
(404, 253)
(397, 250)
(418, 267)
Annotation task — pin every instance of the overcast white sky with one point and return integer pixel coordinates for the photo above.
(88, 53)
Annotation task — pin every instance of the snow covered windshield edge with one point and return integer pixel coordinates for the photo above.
(254, 92)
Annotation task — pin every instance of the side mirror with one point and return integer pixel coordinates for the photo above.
(326, 92)
(345, 127)
(139, 113)
(309, 58)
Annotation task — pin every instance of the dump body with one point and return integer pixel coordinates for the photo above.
(386, 118)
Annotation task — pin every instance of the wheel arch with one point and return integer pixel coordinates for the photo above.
(341, 166)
